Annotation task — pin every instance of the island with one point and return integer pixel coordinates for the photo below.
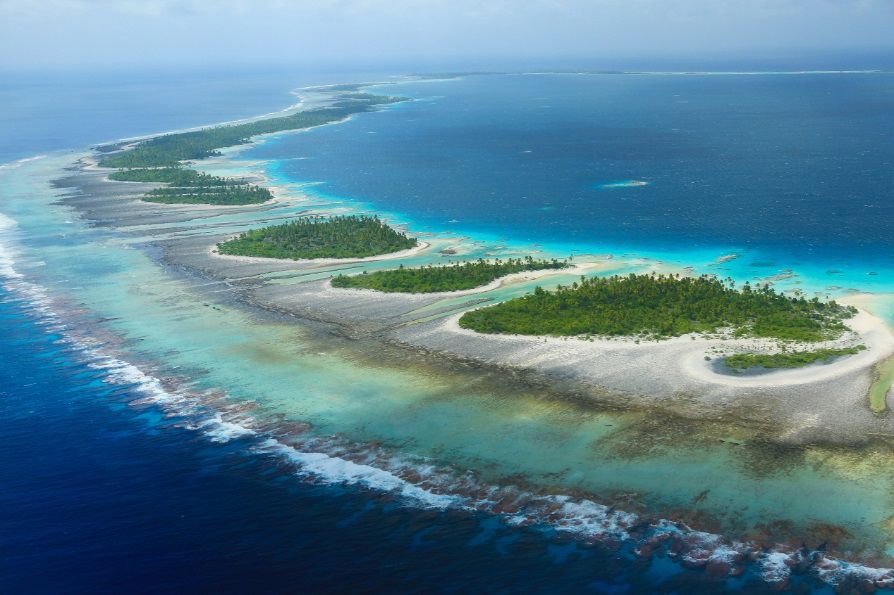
(791, 359)
(658, 306)
(348, 236)
(160, 159)
(443, 278)
(187, 186)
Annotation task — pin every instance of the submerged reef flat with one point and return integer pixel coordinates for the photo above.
(766, 426)
(829, 404)
(582, 412)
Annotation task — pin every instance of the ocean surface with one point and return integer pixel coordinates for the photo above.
(793, 172)
(128, 459)
(795, 163)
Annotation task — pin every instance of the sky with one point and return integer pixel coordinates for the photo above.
(470, 34)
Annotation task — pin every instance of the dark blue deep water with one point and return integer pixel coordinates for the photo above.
(799, 165)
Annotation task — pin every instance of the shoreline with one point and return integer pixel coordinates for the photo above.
(867, 328)
(574, 515)
(420, 248)
(495, 284)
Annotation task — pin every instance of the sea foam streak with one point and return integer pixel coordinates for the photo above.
(623, 184)
(416, 481)
(20, 162)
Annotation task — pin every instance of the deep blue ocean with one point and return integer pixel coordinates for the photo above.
(796, 166)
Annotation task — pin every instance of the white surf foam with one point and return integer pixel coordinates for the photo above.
(337, 470)
(20, 162)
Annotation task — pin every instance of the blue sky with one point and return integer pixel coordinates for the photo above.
(456, 33)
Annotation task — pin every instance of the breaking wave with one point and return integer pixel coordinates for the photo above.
(20, 162)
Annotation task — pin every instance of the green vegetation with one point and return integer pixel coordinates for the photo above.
(160, 159)
(787, 359)
(191, 187)
(455, 277)
(316, 237)
(232, 194)
(222, 195)
(661, 306)
(884, 379)
(171, 149)
(177, 176)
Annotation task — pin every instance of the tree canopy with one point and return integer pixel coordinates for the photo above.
(661, 306)
(160, 159)
(172, 149)
(189, 186)
(350, 236)
(451, 277)
(787, 359)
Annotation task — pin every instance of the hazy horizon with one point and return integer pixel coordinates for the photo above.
(431, 34)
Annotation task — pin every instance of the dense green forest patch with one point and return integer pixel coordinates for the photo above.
(171, 149)
(659, 306)
(177, 176)
(221, 195)
(787, 359)
(160, 159)
(188, 186)
(451, 277)
(884, 379)
(316, 237)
